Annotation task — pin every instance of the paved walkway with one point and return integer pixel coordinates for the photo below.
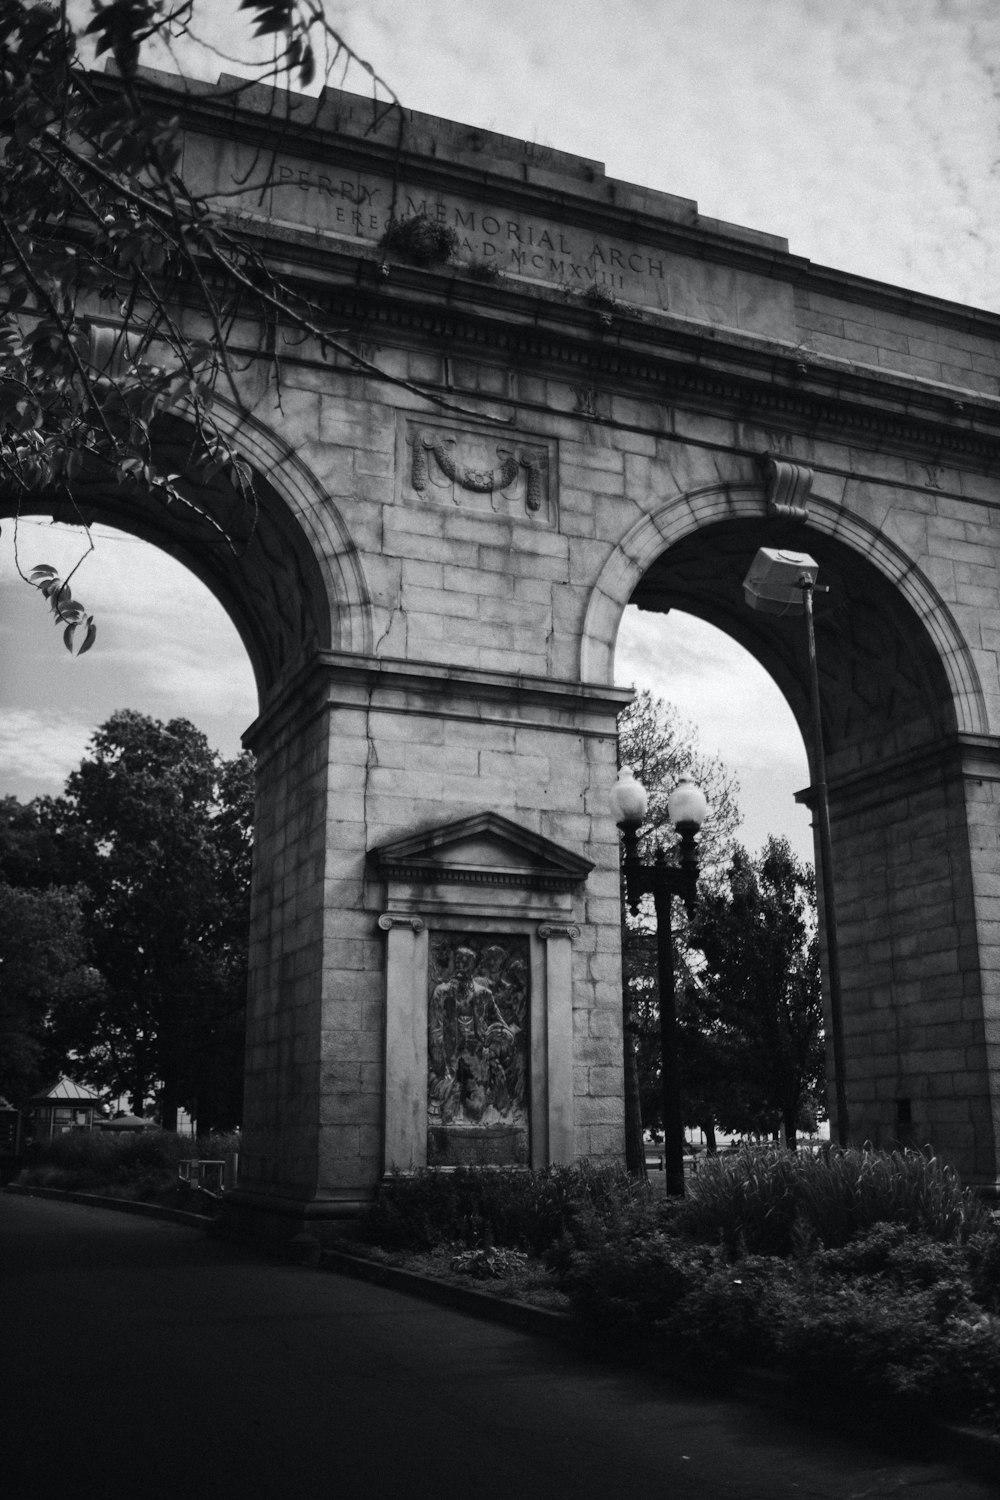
(141, 1359)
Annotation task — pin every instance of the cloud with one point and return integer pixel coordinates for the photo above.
(735, 707)
(165, 647)
(40, 747)
(735, 710)
(865, 134)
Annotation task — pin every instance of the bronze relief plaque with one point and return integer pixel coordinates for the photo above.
(478, 1049)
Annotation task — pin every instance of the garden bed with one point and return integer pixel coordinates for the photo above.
(871, 1279)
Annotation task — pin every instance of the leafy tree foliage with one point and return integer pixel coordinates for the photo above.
(120, 284)
(754, 1016)
(42, 968)
(661, 748)
(161, 827)
(32, 855)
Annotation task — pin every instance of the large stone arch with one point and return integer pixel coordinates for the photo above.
(543, 448)
(905, 726)
(703, 512)
(292, 581)
(290, 577)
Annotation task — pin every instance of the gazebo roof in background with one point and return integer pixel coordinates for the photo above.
(65, 1091)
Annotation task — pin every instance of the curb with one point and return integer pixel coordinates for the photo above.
(973, 1449)
(119, 1205)
(520, 1315)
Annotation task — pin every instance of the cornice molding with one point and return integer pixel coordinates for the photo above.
(668, 360)
(312, 689)
(663, 375)
(953, 758)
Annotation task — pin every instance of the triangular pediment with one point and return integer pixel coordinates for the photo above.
(482, 849)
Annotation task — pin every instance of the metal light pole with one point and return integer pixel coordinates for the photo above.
(784, 583)
(687, 810)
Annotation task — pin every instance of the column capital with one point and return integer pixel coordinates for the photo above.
(569, 930)
(390, 919)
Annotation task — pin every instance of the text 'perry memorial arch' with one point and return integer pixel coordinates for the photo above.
(431, 601)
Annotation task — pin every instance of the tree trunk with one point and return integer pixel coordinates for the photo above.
(789, 1127)
(708, 1131)
(168, 1110)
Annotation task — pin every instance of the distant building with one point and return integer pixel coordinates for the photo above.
(65, 1106)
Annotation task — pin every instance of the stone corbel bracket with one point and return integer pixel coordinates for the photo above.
(786, 487)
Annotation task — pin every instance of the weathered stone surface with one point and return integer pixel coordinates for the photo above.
(434, 601)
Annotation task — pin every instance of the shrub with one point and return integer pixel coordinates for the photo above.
(420, 240)
(497, 1206)
(983, 1255)
(127, 1164)
(484, 270)
(735, 1313)
(635, 1284)
(894, 1256)
(891, 1352)
(758, 1201)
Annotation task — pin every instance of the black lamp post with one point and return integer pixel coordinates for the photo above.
(687, 809)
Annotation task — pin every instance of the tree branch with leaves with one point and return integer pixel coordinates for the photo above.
(121, 285)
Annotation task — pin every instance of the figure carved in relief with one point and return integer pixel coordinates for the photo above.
(477, 1035)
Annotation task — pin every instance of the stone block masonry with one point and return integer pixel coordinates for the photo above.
(434, 606)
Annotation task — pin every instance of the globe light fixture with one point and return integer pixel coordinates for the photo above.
(629, 799)
(687, 806)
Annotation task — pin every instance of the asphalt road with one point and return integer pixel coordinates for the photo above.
(142, 1360)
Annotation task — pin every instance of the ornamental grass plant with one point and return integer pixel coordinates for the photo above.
(762, 1200)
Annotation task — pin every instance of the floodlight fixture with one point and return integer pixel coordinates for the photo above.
(778, 581)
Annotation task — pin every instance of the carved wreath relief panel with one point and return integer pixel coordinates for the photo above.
(478, 1049)
(496, 472)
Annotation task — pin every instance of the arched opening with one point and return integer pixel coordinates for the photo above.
(286, 586)
(168, 661)
(165, 648)
(883, 690)
(736, 710)
(262, 558)
(899, 698)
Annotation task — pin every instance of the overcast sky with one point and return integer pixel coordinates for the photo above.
(864, 131)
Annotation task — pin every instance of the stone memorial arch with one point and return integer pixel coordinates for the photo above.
(431, 600)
